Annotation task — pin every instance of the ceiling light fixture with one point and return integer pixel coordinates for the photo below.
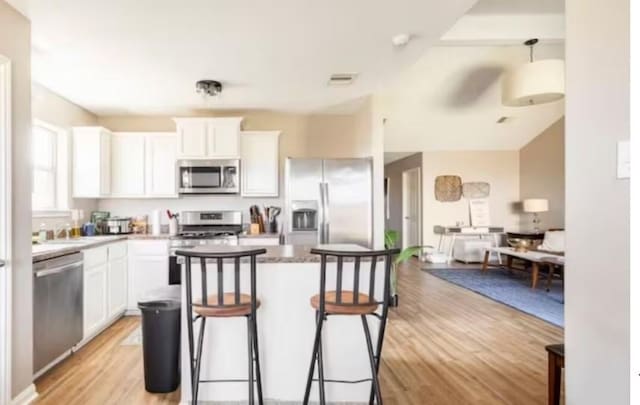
(533, 83)
(208, 88)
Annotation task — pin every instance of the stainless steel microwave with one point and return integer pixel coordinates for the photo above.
(204, 176)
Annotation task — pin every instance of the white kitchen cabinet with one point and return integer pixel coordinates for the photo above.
(160, 161)
(95, 310)
(148, 269)
(127, 164)
(192, 138)
(91, 162)
(260, 163)
(117, 278)
(143, 165)
(210, 138)
(104, 286)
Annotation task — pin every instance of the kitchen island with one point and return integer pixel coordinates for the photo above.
(287, 277)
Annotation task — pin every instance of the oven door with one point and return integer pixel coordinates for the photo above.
(208, 176)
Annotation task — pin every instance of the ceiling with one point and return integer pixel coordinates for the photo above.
(511, 7)
(451, 100)
(390, 157)
(144, 56)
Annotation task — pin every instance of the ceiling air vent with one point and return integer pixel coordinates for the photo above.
(342, 79)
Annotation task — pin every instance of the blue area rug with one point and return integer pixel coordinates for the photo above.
(512, 289)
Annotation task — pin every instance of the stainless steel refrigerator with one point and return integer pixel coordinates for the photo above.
(329, 201)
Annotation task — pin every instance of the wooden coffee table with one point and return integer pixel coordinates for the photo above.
(536, 258)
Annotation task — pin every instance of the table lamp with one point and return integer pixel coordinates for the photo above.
(535, 206)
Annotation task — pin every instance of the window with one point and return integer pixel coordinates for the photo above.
(48, 152)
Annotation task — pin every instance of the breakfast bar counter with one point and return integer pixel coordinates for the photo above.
(287, 277)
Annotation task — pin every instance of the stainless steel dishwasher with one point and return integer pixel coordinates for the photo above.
(57, 308)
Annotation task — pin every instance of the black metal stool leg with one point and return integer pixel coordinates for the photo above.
(314, 355)
(321, 367)
(196, 377)
(378, 352)
(250, 355)
(190, 322)
(257, 359)
(372, 360)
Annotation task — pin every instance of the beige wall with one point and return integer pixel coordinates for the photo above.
(542, 175)
(15, 44)
(499, 168)
(62, 113)
(393, 171)
(597, 204)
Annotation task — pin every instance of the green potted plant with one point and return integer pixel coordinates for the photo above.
(390, 241)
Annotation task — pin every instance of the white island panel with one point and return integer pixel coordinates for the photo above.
(286, 326)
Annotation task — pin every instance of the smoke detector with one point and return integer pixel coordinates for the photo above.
(342, 79)
(400, 40)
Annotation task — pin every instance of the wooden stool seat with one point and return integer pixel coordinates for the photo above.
(348, 305)
(228, 308)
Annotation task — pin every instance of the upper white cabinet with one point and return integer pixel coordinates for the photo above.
(210, 138)
(144, 164)
(91, 162)
(160, 165)
(127, 164)
(260, 163)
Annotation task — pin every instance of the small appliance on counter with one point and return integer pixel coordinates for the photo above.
(118, 225)
(98, 218)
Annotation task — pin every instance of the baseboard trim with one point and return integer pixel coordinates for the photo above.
(27, 396)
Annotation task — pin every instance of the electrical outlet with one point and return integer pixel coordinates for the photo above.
(624, 160)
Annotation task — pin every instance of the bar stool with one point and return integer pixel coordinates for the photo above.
(353, 303)
(222, 305)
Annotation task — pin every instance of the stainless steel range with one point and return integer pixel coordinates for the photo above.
(203, 228)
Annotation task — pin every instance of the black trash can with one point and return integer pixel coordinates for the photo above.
(161, 341)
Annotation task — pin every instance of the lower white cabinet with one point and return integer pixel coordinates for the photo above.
(105, 286)
(117, 286)
(148, 269)
(95, 313)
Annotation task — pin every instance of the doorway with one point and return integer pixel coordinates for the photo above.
(411, 208)
(5, 230)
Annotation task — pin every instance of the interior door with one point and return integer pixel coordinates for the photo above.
(348, 201)
(411, 210)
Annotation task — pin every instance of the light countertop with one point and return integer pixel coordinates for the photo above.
(281, 253)
(60, 247)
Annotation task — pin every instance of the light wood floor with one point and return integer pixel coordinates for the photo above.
(444, 345)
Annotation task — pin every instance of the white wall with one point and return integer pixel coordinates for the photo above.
(499, 168)
(61, 113)
(15, 44)
(597, 204)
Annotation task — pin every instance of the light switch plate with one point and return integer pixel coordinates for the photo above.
(624, 160)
